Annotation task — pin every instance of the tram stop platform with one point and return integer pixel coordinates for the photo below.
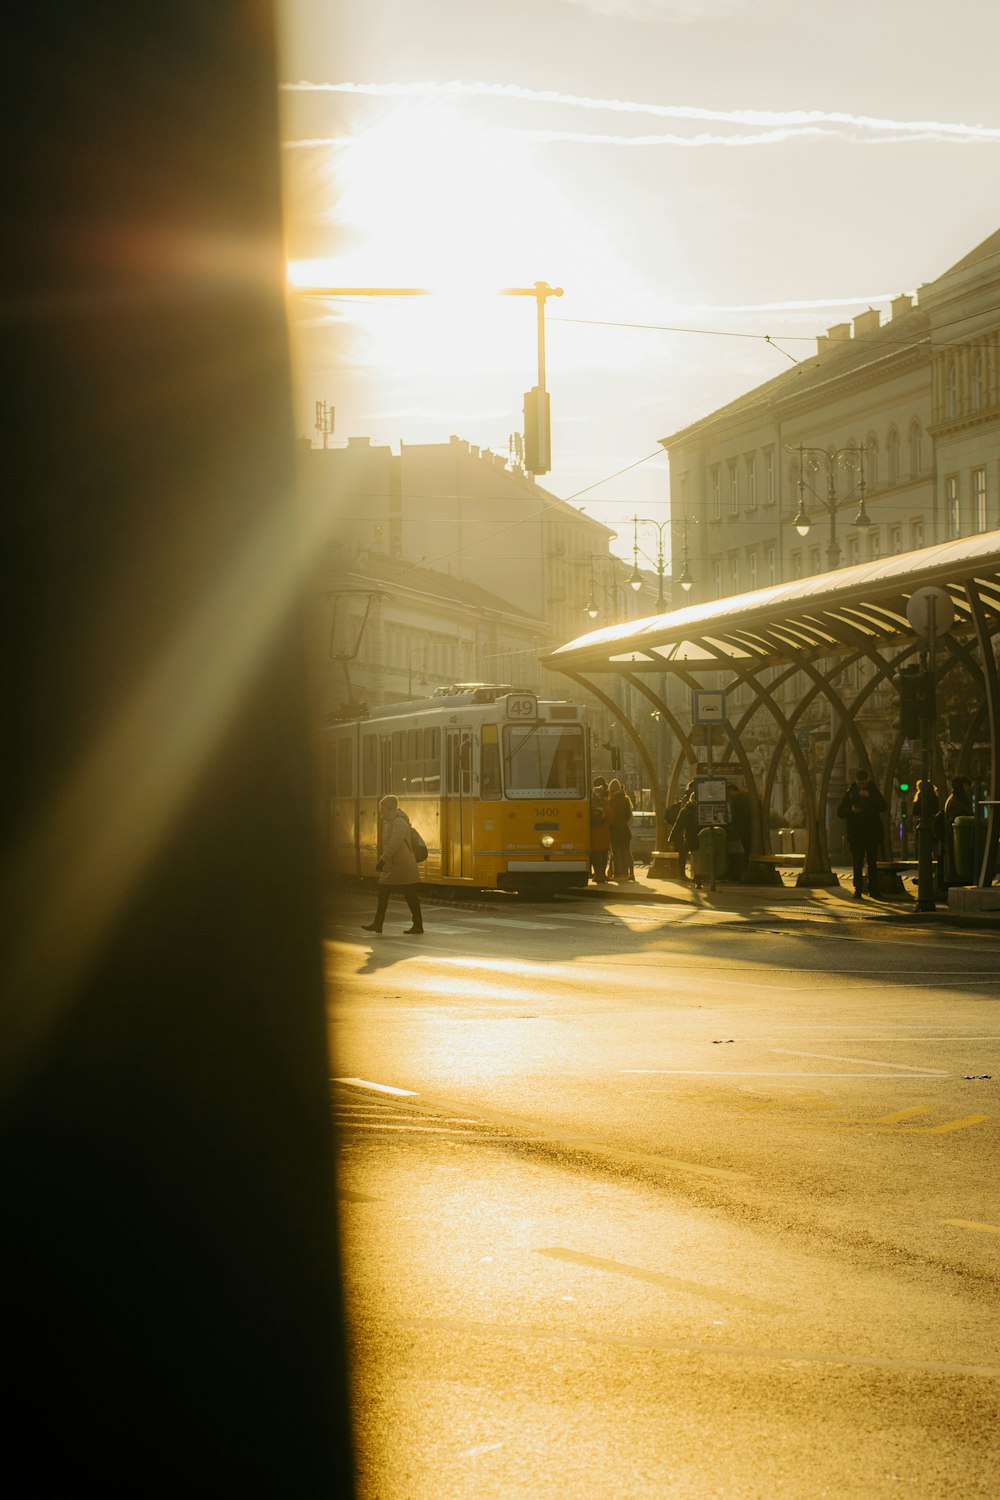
(960, 906)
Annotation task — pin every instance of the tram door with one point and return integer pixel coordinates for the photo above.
(456, 835)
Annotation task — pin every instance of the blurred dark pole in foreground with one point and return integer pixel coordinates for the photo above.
(168, 1259)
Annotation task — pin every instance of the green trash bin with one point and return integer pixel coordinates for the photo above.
(963, 849)
(702, 855)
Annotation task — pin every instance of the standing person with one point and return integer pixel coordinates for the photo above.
(741, 820)
(600, 837)
(958, 804)
(684, 833)
(933, 810)
(619, 807)
(398, 868)
(861, 808)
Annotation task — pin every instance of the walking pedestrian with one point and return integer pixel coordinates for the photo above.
(861, 808)
(397, 866)
(600, 836)
(619, 807)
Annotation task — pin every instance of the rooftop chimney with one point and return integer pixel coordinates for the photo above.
(867, 323)
(901, 305)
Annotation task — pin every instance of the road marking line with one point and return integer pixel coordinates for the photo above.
(530, 926)
(952, 1125)
(750, 1073)
(480, 1448)
(697, 1347)
(902, 1114)
(866, 1061)
(661, 1278)
(972, 1224)
(380, 1088)
(415, 1129)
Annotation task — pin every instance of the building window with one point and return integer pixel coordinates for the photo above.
(979, 499)
(716, 493)
(895, 540)
(874, 546)
(814, 566)
(951, 393)
(751, 482)
(853, 549)
(734, 575)
(772, 570)
(892, 455)
(916, 535)
(734, 488)
(753, 570)
(796, 564)
(952, 510)
(770, 492)
(977, 383)
(916, 456)
(717, 579)
(871, 461)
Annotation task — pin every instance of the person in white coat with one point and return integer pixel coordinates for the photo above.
(397, 867)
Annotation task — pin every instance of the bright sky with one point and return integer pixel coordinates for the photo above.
(752, 167)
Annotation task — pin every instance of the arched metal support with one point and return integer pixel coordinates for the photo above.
(817, 867)
(991, 685)
(619, 713)
(687, 750)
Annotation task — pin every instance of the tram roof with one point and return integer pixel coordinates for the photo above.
(860, 605)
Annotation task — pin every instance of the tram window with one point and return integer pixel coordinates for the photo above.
(413, 747)
(544, 760)
(432, 762)
(345, 769)
(369, 766)
(489, 763)
(466, 763)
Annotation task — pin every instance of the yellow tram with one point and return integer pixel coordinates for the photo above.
(495, 781)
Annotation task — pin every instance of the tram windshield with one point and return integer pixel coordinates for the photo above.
(544, 760)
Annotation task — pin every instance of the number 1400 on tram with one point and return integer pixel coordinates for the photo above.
(494, 780)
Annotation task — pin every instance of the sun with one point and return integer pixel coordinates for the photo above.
(424, 197)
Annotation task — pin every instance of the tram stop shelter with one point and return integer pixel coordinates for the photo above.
(833, 646)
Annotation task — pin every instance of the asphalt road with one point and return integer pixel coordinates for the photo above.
(640, 1201)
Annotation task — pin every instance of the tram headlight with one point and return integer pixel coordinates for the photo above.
(547, 841)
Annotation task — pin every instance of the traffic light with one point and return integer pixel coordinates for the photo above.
(909, 713)
(537, 445)
(926, 698)
(917, 701)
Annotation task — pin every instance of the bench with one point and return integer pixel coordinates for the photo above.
(762, 869)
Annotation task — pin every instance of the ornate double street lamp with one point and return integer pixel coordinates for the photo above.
(851, 459)
(635, 577)
(614, 592)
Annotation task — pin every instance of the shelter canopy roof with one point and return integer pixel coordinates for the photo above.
(863, 604)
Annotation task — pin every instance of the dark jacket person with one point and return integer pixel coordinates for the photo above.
(861, 808)
(398, 868)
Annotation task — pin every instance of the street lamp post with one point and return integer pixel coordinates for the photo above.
(851, 458)
(635, 577)
(613, 590)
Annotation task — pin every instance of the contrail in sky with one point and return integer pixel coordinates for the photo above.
(583, 138)
(794, 120)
